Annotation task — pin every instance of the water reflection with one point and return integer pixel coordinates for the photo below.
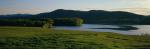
(142, 29)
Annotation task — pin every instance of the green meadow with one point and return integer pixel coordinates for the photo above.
(40, 38)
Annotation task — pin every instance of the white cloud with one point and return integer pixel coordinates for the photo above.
(135, 6)
(141, 3)
(19, 11)
(137, 10)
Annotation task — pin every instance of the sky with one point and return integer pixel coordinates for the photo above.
(40, 6)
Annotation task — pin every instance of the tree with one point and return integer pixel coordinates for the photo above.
(68, 21)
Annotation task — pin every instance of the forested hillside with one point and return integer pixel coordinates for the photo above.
(99, 16)
(91, 17)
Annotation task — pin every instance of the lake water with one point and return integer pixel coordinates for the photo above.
(142, 29)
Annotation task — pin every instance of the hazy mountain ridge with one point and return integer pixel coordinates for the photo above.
(74, 13)
(16, 16)
(93, 16)
(98, 16)
(91, 13)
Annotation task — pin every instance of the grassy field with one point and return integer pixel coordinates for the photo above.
(38, 38)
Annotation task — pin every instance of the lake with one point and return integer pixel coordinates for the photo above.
(142, 29)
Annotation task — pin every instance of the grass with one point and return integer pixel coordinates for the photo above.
(39, 38)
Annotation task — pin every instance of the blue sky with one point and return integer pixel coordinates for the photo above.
(39, 6)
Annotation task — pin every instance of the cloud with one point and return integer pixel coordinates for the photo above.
(135, 6)
(20, 11)
(137, 10)
(142, 3)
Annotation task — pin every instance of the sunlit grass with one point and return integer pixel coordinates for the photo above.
(39, 38)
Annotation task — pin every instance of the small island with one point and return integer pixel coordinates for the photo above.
(124, 28)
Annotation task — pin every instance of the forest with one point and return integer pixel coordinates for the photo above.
(89, 17)
(46, 23)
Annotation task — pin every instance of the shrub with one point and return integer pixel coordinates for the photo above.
(68, 21)
(26, 22)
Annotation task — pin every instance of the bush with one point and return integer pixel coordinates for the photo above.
(68, 22)
(25, 22)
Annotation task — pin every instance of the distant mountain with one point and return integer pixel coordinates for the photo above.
(98, 16)
(91, 13)
(92, 16)
(15, 16)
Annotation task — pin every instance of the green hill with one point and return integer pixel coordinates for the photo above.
(98, 16)
(90, 17)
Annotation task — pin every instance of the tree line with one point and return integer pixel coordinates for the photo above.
(100, 16)
(45, 23)
(91, 17)
(68, 21)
